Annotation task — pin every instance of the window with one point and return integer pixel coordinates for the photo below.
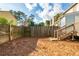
(70, 19)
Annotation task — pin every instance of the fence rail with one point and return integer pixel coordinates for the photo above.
(9, 32)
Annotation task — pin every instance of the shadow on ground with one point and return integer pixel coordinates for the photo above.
(39, 47)
(69, 39)
(19, 47)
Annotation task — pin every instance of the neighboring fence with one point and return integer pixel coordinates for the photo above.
(41, 31)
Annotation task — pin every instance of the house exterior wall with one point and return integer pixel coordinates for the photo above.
(71, 17)
(77, 23)
(7, 15)
(73, 9)
(76, 7)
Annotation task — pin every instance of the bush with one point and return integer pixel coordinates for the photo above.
(3, 21)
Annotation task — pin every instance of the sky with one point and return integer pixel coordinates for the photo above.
(41, 11)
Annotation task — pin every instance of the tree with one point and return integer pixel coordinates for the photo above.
(41, 24)
(19, 15)
(47, 22)
(30, 22)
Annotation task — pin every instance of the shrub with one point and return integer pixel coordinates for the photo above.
(3, 21)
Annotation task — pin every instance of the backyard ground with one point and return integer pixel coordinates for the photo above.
(39, 47)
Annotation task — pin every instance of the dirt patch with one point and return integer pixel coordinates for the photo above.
(39, 47)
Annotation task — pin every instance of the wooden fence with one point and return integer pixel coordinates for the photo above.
(4, 36)
(42, 31)
(10, 32)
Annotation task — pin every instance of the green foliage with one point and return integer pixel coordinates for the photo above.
(47, 22)
(41, 24)
(30, 22)
(10, 22)
(57, 16)
(18, 15)
(3, 21)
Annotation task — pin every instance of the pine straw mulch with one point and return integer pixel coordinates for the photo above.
(39, 47)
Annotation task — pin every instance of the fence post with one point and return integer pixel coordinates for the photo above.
(73, 32)
(10, 38)
(54, 33)
(57, 34)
